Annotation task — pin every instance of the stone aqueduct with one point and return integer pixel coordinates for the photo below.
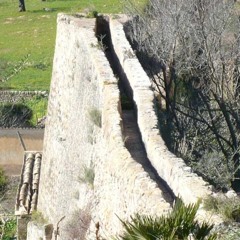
(84, 84)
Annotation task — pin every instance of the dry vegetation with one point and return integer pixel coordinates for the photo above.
(190, 50)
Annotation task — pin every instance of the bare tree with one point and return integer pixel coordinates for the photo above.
(190, 48)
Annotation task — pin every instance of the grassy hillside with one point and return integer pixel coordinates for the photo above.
(27, 38)
(27, 42)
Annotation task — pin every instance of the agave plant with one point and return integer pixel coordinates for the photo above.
(179, 224)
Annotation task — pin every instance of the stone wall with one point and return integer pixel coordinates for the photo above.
(18, 96)
(121, 187)
(83, 83)
(82, 80)
(70, 132)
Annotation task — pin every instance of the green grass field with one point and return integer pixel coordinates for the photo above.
(27, 42)
(27, 38)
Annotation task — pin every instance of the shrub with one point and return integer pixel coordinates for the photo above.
(38, 106)
(15, 115)
(3, 180)
(9, 229)
(200, 108)
(229, 208)
(179, 224)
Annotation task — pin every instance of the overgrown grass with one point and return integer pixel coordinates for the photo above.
(25, 113)
(229, 208)
(32, 34)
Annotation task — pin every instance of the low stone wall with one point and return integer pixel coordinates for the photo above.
(18, 96)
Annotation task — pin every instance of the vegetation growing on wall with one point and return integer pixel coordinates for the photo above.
(191, 51)
(87, 175)
(78, 224)
(95, 116)
(38, 218)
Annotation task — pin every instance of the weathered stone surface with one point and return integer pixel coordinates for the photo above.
(82, 80)
(173, 170)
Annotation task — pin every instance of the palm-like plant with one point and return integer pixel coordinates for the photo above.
(179, 224)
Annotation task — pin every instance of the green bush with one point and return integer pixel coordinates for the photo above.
(3, 180)
(15, 115)
(179, 224)
(10, 229)
(38, 105)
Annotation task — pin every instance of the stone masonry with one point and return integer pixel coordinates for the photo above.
(83, 83)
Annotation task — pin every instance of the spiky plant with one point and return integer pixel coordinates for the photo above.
(179, 224)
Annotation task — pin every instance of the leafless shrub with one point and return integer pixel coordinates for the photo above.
(190, 50)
